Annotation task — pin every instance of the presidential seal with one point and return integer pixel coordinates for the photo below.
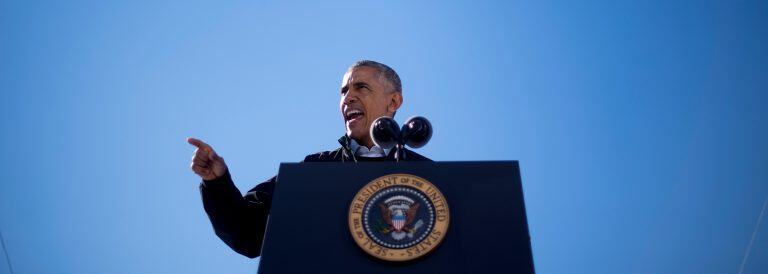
(398, 217)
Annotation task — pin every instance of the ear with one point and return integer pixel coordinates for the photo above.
(395, 102)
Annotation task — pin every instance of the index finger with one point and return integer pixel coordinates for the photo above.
(199, 144)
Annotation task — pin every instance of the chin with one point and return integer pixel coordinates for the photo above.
(356, 134)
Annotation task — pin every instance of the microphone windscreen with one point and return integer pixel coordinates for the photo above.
(416, 132)
(385, 132)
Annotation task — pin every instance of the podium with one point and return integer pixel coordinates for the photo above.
(309, 225)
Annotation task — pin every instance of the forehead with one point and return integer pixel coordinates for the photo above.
(361, 74)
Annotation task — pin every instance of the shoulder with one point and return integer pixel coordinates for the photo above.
(337, 155)
(325, 156)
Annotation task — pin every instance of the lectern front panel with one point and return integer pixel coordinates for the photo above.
(308, 229)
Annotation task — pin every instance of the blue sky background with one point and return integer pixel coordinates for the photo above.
(639, 125)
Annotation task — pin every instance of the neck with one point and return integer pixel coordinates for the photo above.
(365, 141)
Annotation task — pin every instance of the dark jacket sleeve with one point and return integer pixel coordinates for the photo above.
(239, 221)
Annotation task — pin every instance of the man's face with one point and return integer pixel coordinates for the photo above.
(364, 97)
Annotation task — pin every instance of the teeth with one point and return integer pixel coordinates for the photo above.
(353, 112)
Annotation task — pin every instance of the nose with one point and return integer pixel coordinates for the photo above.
(350, 97)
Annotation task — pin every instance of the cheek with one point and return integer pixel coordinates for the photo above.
(380, 107)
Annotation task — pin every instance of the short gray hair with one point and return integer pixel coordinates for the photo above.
(385, 71)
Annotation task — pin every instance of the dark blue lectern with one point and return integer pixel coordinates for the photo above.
(308, 230)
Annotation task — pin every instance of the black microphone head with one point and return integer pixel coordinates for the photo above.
(416, 132)
(385, 132)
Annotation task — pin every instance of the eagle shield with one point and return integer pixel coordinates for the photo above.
(399, 212)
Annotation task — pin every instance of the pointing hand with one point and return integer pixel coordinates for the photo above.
(206, 163)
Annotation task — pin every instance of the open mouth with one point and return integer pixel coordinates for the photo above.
(353, 114)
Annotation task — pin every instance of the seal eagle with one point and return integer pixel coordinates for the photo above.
(410, 215)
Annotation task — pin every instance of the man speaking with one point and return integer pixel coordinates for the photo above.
(369, 90)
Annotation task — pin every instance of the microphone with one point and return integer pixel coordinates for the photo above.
(416, 132)
(386, 133)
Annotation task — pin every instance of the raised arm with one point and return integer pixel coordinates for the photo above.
(239, 221)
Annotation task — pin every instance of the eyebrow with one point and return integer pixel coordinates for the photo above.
(360, 84)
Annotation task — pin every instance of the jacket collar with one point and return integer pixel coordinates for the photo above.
(346, 148)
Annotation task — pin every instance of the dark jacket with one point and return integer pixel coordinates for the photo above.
(240, 221)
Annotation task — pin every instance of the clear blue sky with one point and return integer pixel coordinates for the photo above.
(640, 126)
